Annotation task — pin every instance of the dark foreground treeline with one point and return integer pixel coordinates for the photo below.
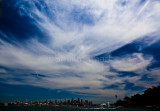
(150, 98)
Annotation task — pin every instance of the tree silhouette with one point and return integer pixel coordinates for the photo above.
(151, 97)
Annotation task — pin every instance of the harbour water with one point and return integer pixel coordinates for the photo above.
(51, 108)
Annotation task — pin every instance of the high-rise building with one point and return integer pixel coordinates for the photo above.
(86, 101)
(78, 100)
(68, 102)
(82, 101)
(56, 102)
(72, 101)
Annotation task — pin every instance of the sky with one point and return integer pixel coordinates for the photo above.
(92, 49)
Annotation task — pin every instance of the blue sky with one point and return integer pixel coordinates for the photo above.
(76, 48)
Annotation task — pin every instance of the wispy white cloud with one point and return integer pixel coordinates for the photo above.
(66, 60)
(132, 63)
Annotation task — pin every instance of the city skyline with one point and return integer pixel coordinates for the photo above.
(92, 49)
(56, 102)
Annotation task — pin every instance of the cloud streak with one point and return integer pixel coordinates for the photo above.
(76, 32)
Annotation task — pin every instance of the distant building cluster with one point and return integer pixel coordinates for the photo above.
(65, 102)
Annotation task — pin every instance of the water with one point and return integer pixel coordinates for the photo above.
(51, 108)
